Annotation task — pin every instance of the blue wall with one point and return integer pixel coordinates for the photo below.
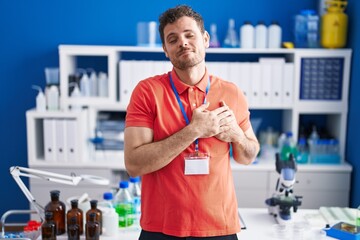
(32, 30)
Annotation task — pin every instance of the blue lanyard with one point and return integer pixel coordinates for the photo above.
(182, 106)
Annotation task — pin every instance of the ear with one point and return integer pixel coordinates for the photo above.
(165, 51)
(206, 39)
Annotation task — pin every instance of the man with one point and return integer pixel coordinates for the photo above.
(179, 127)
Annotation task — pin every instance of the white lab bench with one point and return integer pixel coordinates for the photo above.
(259, 225)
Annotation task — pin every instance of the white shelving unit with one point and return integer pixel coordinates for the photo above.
(334, 111)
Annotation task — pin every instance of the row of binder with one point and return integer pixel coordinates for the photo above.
(268, 82)
(60, 141)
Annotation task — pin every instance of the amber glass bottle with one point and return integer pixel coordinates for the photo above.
(76, 212)
(48, 228)
(92, 227)
(73, 229)
(94, 209)
(58, 208)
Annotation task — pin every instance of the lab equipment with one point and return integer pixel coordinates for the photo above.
(288, 147)
(231, 40)
(40, 99)
(73, 229)
(344, 231)
(247, 34)
(214, 41)
(92, 228)
(306, 29)
(98, 213)
(52, 98)
(283, 200)
(75, 95)
(334, 24)
(135, 191)
(123, 205)
(57, 207)
(18, 172)
(274, 35)
(77, 213)
(48, 228)
(261, 35)
(52, 76)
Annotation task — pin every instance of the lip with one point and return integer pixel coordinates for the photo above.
(184, 52)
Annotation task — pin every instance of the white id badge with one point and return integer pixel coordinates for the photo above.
(197, 164)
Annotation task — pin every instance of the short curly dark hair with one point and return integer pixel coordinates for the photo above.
(173, 14)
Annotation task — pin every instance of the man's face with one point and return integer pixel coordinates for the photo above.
(184, 44)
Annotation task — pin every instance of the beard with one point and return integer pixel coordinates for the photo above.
(184, 62)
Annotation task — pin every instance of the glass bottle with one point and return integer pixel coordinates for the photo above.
(48, 228)
(214, 41)
(92, 227)
(73, 229)
(58, 208)
(76, 212)
(98, 213)
(231, 39)
(123, 205)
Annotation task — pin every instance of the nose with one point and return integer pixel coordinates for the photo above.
(183, 42)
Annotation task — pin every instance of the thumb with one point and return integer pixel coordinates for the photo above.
(203, 107)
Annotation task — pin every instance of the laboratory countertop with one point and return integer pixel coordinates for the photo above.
(258, 165)
(258, 225)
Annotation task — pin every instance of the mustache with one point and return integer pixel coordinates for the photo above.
(182, 50)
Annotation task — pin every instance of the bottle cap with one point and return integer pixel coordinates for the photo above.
(124, 184)
(134, 179)
(74, 203)
(107, 196)
(55, 193)
(93, 203)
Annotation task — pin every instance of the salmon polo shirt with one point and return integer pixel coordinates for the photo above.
(174, 203)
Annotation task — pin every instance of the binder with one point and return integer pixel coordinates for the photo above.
(256, 86)
(60, 126)
(244, 79)
(72, 141)
(49, 140)
(266, 82)
(288, 84)
(276, 78)
(125, 70)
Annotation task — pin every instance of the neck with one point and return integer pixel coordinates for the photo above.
(191, 76)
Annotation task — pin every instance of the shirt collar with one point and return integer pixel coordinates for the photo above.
(181, 86)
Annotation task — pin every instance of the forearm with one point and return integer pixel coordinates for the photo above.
(245, 149)
(153, 156)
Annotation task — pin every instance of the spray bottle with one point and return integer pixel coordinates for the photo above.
(75, 95)
(40, 99)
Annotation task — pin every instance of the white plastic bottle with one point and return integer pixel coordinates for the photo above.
(75, 96)
(247, 35)
(40, 99)
(52, 98)
(85, 85)
(93, 83)
(109, 217)
(274, 35)
(261, 35)
(102, 84)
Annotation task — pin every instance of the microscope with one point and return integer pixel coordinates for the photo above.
(283, 200)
